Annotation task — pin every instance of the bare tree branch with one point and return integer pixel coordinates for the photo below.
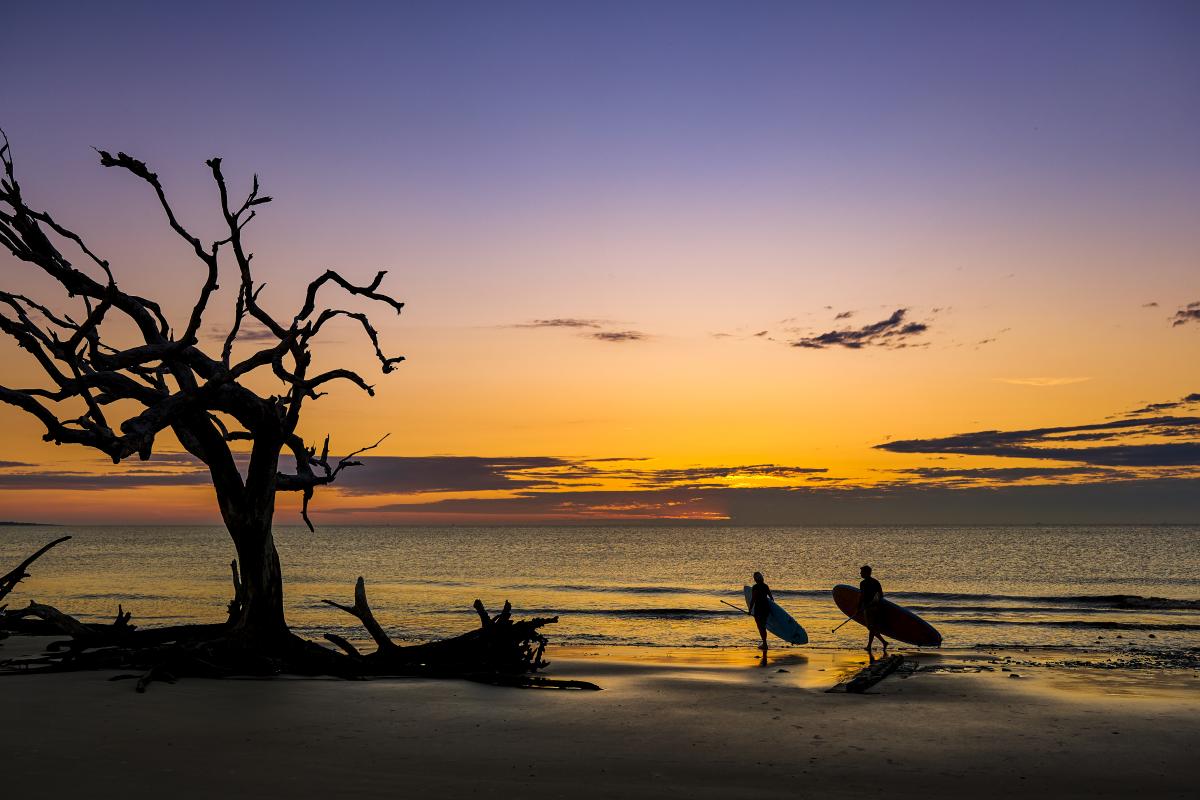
(176, 383)
(17, 574)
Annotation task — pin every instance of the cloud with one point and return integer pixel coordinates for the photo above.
(593, 325)
(418, 474)
(422, 474)
(1154, 408)
(892, 332)
(1046, 443)
(999, 474)
(561, 322)
(618, 336)
(845, 315)
(1151, 304)
(693, 477)
(11, 464)
(1102, 502)
(1042, 381)
(414, 475)
(1189, 313)
(250, 331)
(90, 481)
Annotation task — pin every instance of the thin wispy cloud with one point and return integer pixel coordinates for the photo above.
(1192, 399)
(999, 474)
(562, 322)
(91, 481)
(1044, 381)
(249, 331)
(618, 336)
(1119, 443)
(598, 329)
(892, 333)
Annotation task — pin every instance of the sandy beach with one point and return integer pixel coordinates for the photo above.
(671, 724)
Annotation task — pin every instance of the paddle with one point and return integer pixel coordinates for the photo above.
(835, 630)
(737, 608)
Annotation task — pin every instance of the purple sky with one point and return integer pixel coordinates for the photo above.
(1018, 182)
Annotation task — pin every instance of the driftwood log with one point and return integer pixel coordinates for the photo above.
(502, 651)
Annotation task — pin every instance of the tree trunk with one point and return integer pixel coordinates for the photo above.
(260, 617)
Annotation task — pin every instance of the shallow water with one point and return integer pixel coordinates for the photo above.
(1104, 589)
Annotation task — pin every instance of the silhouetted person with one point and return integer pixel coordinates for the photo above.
(760, 606)
(870, 602)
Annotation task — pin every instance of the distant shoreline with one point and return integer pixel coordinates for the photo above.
(12, 524)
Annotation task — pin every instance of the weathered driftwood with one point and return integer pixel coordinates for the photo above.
(501, 651)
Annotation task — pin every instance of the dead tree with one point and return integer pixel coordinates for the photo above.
(172, 383)
(200, 397)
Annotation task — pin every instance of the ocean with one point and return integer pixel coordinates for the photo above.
(1083, 589)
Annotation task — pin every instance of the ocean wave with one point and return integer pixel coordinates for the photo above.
(946, 609)
(637, 613)
(123, 597)
(1080, 624)
(1108, 601)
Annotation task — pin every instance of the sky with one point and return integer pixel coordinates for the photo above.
(752, 262)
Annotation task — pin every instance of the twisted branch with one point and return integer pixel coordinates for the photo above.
(91, 374)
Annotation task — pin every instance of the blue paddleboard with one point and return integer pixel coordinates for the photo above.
(781, 623)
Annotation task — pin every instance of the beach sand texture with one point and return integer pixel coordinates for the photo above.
(673, 725)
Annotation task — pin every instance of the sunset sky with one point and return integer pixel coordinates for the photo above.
(770, 263)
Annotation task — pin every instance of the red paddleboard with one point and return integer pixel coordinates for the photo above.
(895, 623)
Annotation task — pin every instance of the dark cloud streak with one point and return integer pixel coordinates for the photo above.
(1045, 443)
(892, 332)
(618, 336)
(561, 322)
(1189, 313)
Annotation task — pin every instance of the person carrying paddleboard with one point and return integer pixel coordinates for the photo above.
(870, 602)
(760, 606)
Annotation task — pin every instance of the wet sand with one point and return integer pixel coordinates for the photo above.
(669, 724)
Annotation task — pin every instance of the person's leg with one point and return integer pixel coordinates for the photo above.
(762, 631)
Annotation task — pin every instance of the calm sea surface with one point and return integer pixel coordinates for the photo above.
(1096, 588)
